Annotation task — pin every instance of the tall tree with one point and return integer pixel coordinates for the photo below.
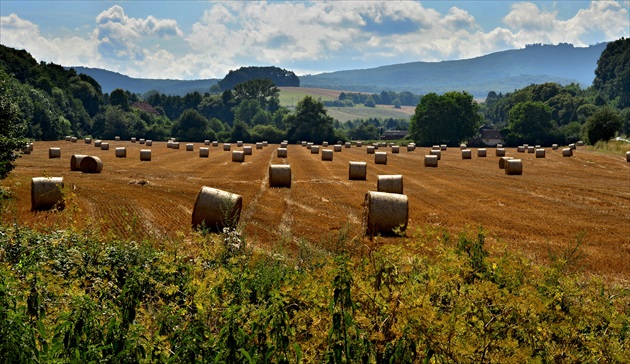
(310, 122)
(11, 130)
(603, 125)
(447, 119)
(612, 75)
(531, 122)
(191, 126)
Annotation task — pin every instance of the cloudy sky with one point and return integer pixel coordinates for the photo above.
(206, 39)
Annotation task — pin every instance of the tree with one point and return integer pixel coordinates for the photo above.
(240, 132)
(191, 126)
(603, 125)
(447, 119)
(310, 122)
(120, 98)
(261, 90)
(531, 122)
(11, 130)
(612, 75)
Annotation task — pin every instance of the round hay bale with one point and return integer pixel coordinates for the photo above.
(520, 149)
(411, 147)
(315, 149)
(554, 146)
(68, 138)
(348, 145)
(259, 145)
(357, 171)
(169, 144)
(97, 143)
(370, 149)
(392, 183)
(437, 153)
(531, 150)
(190, 147)
(628, 156)
(145, 155)
(500, 152)
(141, 141)
(327, 154)
(382, 144)
(247, 150)
(525, 146)
(27, 149)
(572, 146)
(499, 145)
(265, 143)
(227, 147)
(175, 145)
(121, 152)
(380, 157)
(567, 152)
(239, 143)
(502, 162)
(280, 175)
(385, 213)
(580, 143)
(238, 156)
(337, 148)
(436, 147)
(104, 146)
(46, 193)
(206, 142)
(304, 144)
(537, 146)
(149, 143)
(284, 144)
(117, 138)
(540, 153)
(431, 160)
(91, 164)
(215, 143)
(215, 209)
(73, 139)
(443, 147)
(204, 152)
(463, 146)
(54, 153)
(514, 167)
(309, 145)
(395, 149)
(282, 152)
(481, 153)
(324, 144)
(75, 161)
(133, 139)
(466, 154)
(88, 140)
(359, 144)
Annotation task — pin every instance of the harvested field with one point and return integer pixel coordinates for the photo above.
(547, 207)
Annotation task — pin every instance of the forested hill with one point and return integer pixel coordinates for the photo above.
(500, 72)
(110, 81)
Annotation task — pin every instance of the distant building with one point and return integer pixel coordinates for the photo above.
(144, 106)
(394, 134)
(488, 136)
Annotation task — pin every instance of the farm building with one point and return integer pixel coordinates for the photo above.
(488, 136)
(394, 134)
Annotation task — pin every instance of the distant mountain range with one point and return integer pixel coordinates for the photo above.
(500, 72)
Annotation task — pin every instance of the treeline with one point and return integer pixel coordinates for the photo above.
(280, 77)
(398, 99)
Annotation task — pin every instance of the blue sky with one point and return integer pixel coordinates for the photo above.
(206, 39)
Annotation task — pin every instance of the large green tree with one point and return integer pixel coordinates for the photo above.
(447, 119)
(192, 127)
(603, 125)
(530, 122)
(11, 130)
(310, 122)
(612, 75)
(261, 90)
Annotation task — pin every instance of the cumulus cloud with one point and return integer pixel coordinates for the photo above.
(307, 37)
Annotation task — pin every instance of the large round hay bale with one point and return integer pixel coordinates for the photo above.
(27, 149)
(348, 145)
(431, 160)
(204, 152)
(282, 153)
(392, 183)
(46, 193)
(215, 209)
(206, 142)
(73, 139)
(142, 141)
(370, 149)
(215, 143)
(628, 156)
(357, 171)
(239, 143)
(567, 152)
(54, 153)
(227, 147)
(97, 143)
(280, 175)
(525, 146)
(190, 147)
(324, 144)
(572, 146)
(91, 164)
(436, 147)
(314, 149)
(443, 147)
(286, 144)
(121, 152)
(436, 152)
(499, 145)
(149, 143)
(133, 139)
(309, 145)
(88, 140)
(482, 152)
(395, 149)
(385, 213)
(514, 167)
(540, 153)
(359, 144)
(259, 145)
(580, 143)
(337, 148)
(238, 156)
(175, 145)
(265, 143)
(75, 161)
(500, 152)
(247, 149)
(466, 154)
(531, 150)
(104, 146)
(327, 154)
(304, 143)
(554, 146)
(462, 146)
(145, 155)
(68, 138)
(380, 157)
(411, 147)
(503, 162)
(117, 138)
(520, 149)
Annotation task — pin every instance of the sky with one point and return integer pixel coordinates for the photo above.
(207, 39)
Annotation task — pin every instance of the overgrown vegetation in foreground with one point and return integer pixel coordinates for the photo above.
(68, 296)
